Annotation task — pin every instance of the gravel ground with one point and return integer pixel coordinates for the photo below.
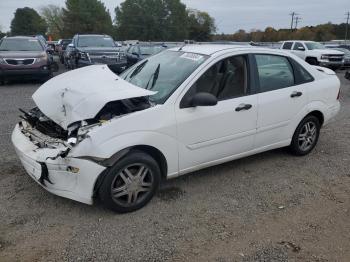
(268, 207)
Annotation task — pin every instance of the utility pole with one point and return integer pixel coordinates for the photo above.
(347, 26)
(292, 23)
(297, 20)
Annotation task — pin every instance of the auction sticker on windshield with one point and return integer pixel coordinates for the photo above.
(192, 56)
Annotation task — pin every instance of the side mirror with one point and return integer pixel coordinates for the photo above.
(203, 99)
(300, 48)
(70, 45)
(49, 50)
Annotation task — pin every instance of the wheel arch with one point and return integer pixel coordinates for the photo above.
(317, 114)
(150, 150)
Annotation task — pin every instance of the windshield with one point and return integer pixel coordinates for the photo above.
(163, 73)
(95, 41)
(11, 44)
(314, 45)
(150, 50)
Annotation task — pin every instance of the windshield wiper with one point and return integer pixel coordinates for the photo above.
(154, 76)
(138, 69)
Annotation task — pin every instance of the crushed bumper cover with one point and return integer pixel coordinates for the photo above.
(55, 175)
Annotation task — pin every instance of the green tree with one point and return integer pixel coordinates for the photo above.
(27, 22)
(161, 20)
(86, 16)
(201, 25)
(151, 20)
(53, 16)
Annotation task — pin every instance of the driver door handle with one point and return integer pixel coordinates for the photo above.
(242, 107)
(296, 94)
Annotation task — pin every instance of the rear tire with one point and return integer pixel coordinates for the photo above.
(131, 183)
(306, 136)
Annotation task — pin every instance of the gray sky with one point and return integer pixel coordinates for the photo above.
(230, 15)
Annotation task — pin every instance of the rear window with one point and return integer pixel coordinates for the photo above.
(20, 44)
(287, 45)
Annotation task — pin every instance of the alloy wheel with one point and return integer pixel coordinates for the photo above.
(307, 136)
(132, 185)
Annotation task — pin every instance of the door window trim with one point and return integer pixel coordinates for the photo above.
(256, 72)
(297, 78)
(251, 81)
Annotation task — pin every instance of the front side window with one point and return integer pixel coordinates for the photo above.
(225, 80)
(275, 72)
(18, 44)
(163, 73)
(95, 41)
(287, 45)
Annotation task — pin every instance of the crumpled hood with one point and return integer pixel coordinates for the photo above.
(80, 94)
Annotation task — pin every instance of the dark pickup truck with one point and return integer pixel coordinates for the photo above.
(96, 49)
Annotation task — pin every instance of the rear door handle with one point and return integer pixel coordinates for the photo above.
(243, 107)
(296, 94)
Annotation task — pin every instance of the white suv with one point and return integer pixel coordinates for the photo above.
(96, 134)
(315, 53)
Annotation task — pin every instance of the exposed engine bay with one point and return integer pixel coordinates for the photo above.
(46, 133)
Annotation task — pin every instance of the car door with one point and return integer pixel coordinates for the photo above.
(281, 98)
(213, 134)
(299, 50)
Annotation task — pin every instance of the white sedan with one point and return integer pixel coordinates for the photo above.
(96, 134)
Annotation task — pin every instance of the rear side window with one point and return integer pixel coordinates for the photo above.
(275, 72)
(301, 75)
(287, 45)
(298, 46)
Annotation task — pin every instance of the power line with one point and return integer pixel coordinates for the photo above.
(297, 20)
(347, 26)
(293, 14)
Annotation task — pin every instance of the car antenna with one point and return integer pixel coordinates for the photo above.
(180, 49)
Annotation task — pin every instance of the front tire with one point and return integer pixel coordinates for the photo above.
(312, 61)
(131, 183)
(306, 136)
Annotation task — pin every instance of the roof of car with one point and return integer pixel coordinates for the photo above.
(21, 37)
(209, 49)
(305, 41)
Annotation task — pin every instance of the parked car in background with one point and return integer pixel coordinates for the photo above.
(346, 55)
(61, 47)
(26, 57)
(315, 53)
(88, 50)
(138, 52)
(96, 134)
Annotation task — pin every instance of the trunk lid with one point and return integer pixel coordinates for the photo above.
(81, 94)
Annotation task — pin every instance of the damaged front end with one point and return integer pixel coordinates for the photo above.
(44, 148)
(45, 133)
(48, 136)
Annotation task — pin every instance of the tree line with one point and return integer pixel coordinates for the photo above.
(321, 33)
(145, 20)
(149, 20)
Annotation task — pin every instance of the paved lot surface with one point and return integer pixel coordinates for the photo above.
(268, 207)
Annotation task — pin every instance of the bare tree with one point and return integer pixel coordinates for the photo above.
(54, 18)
